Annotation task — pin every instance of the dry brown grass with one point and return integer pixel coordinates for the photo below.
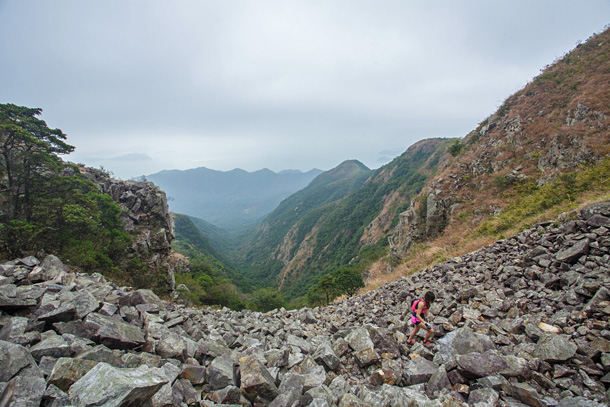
(457, 240)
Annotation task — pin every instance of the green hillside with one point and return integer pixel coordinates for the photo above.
(191, 243)
(320, 228)
(223, 242)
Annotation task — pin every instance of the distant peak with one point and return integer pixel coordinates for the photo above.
(353, 163)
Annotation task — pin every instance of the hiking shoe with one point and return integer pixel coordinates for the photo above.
(427, 344)
(410, 342)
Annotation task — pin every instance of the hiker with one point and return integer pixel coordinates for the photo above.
(419, 319)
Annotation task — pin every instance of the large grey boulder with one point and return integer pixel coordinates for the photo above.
(12, 303)
(438, 382)
(256, 380)
(101, 353)
(573, 253)
(460, 342)
(517, 367)
(221, 372)
(359, 339)
(314, 377)
(475, 365)
(85, 303)
(64, 313)
(108, 386)
(14, 330)
(67, 371)
(171, 346)
(382, 342)
(326, 355)
(142, 296)
(302, 344)
(114, 333)
(364, 352)
(27, 390)
(555, 348)
(366, 357)
(54, 345)
(13, 360)
(419, 370)
(53, 266)
(164, 397)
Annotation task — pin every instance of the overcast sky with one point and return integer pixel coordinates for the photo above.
(142, 86)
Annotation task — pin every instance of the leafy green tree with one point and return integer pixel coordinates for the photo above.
(28, 149)
(315, 297)
(225, 294)
(266, 299)
(46, 203)
(327, 286)
(348, 280)
(455, 148)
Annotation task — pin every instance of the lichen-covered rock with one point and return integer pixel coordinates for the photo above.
(109, 386)
(476, 365)
(256, 380)
(221, 372)
(67, 371)
(419, 370)
(555, 348)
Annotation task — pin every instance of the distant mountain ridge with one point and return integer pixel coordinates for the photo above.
(232, 200)
(341, 218)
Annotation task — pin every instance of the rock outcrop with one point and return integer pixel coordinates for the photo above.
(146, 216)
(521, 322)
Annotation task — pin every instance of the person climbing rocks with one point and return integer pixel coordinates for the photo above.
(419, 319)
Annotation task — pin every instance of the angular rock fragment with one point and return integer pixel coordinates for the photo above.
(419, 370)
(26, 390)
(67, 371)
(228, 395)
(13, 360)
(113, 332)
(221, 372)
(325, 355)
(555, 348)
(256, 380)
(476, 365)
(54, 345)
(573, 253)
(105, 384)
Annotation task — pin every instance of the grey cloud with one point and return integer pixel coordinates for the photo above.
(274, 84)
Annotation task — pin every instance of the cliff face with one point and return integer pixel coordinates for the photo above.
(146, 216)
(559, 121)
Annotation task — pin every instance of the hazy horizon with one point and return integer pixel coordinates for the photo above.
(140, 87)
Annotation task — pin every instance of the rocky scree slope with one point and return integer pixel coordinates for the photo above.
(558, 122)
(523, 321)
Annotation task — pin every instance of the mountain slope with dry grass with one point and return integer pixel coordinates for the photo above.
(543, 152)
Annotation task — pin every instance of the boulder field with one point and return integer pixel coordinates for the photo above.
(521, 322)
